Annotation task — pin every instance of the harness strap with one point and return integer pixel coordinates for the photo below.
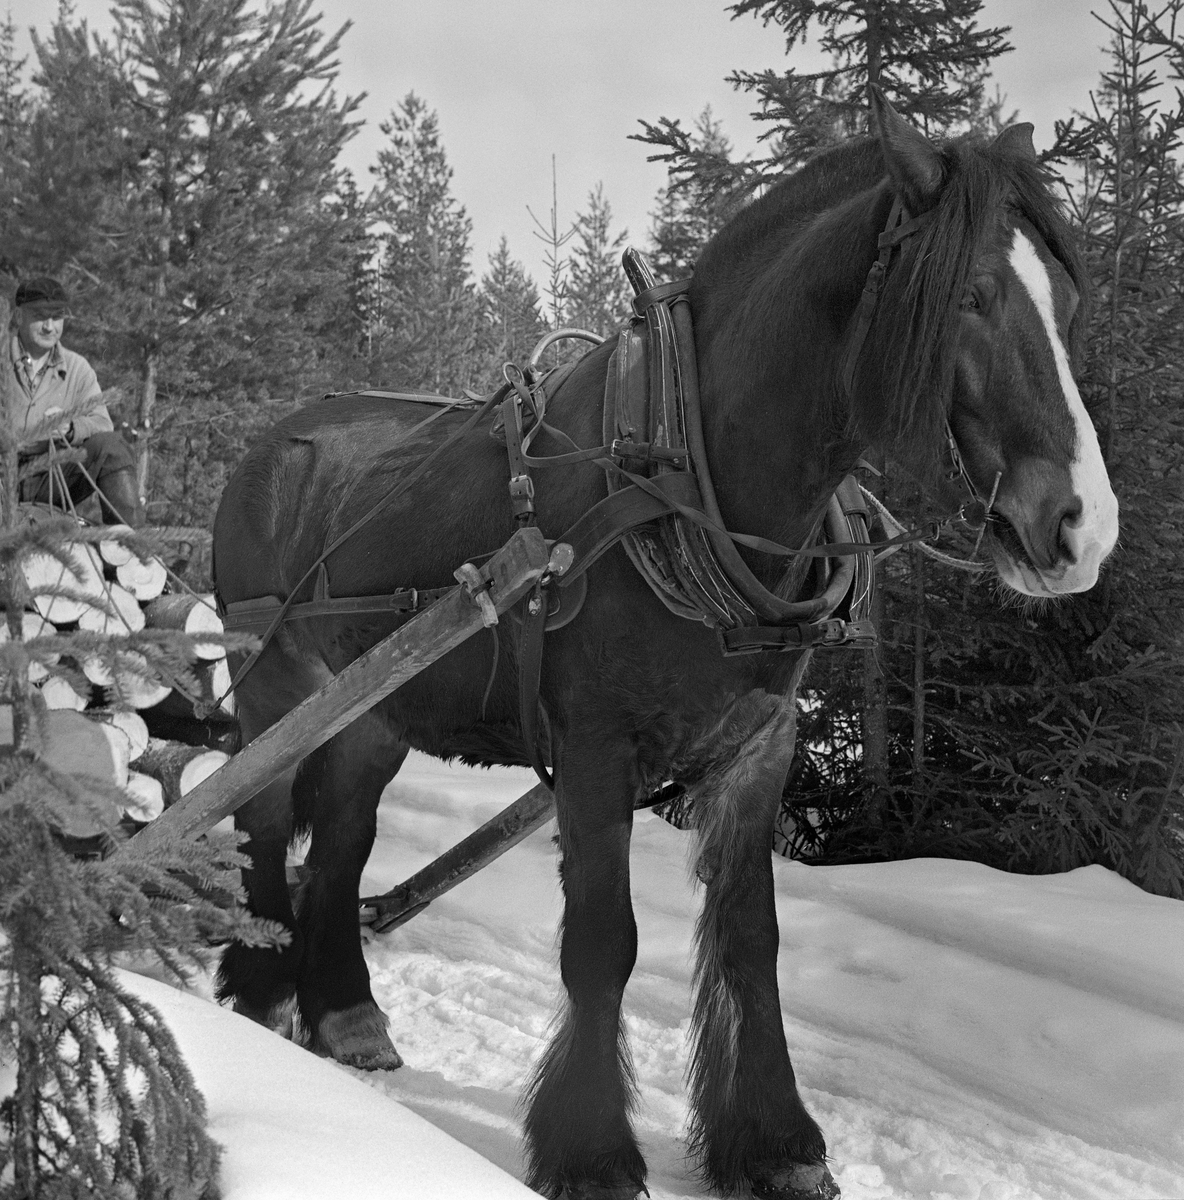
(659, 292)
(530, 666)
(521, 484)
(764, 604)
(619, 448)
(753, 639)
(254, 616)
(416, 397)
(609, 520)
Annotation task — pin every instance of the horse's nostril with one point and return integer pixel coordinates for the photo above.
(1068, 524)
(1072, 514)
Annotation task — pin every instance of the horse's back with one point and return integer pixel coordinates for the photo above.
(303, 482)
(320, 471)
(308, 448)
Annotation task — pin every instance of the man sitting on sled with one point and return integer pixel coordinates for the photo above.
(61, 405)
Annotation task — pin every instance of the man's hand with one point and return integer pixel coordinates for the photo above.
(60, 441)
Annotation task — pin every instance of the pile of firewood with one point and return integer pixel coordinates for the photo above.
(160, 742)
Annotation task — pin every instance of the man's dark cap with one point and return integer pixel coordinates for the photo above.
(43, 291)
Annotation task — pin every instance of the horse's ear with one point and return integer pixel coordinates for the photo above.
(913, 161)
(1017, 139)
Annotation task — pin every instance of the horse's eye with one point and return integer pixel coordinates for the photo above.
(971, 302)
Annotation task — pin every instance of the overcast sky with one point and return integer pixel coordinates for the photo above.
(517, 81)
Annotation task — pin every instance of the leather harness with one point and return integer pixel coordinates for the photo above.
(661, 504)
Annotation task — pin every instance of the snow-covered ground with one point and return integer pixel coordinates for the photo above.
(961, 1034)
(296, 1127)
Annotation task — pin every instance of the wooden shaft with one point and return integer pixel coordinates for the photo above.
(466, 858)
(511, 573)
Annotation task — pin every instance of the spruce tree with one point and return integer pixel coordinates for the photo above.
(14, 133)
(14, 102)
(598, 292)
(428, 311)
(691, 209)
(929, 56)
(510, 323)
(346, 339)
(554, 239)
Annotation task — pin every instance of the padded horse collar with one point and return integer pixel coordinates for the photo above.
(652, 420)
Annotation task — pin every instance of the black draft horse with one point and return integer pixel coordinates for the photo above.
(977, 324)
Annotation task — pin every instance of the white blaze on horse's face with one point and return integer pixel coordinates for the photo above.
(1088, 529)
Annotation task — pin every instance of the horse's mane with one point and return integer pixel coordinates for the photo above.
(906, 368)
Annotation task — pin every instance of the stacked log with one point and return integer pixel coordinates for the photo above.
(189, 614)
(177, 767)
(73, 745)
(60, 593)
(153, 737)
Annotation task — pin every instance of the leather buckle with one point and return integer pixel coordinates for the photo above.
(836, 632)
(856, 635)
(522, 495)
(647, 451)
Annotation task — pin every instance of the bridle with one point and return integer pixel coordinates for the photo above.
(975, 512)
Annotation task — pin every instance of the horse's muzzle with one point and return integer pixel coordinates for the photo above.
(1060, 529)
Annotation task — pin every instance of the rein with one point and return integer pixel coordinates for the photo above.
(892, 524)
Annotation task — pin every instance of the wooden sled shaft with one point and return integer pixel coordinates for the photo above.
(499, 834)
(466, 858)
(508, 576)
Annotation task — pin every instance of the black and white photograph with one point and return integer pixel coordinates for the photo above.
(593, 599)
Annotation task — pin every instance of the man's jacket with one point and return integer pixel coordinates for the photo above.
(66, 391)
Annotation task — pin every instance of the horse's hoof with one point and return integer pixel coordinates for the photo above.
(279, 1018)
(797, 1181)
(603, 1191)
(357, 1037)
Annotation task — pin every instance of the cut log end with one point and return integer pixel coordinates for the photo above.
(178, 767)
(145, 578)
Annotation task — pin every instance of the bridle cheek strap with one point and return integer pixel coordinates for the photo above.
(900, 226)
